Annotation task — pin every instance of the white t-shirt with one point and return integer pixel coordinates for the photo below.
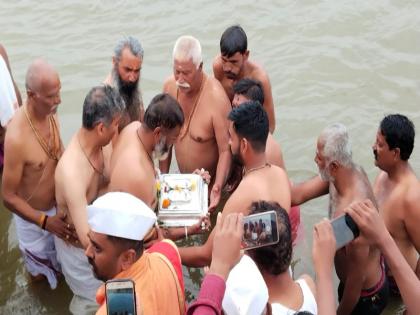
(8, 100)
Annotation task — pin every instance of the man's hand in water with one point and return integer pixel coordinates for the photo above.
(57, 225)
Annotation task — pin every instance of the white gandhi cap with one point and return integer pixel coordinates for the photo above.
(246, 292)
(122, 215)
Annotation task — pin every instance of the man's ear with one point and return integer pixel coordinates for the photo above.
(397, 153)
(114, 61)
(128, 258)
(333, 167)
(200, 67)
(246, 55)
(243, 146)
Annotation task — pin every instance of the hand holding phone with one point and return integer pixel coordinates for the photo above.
(120, 297)
(345, 230)
(260, 230)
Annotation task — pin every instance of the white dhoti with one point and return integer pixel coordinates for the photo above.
(38, 249)
(79, 276)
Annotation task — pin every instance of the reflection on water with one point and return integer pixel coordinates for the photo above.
(328, 61)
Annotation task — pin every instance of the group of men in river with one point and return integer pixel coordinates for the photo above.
(220, 126)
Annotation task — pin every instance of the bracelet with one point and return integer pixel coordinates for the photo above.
(41, 220)
(44, 223)
(186, 232)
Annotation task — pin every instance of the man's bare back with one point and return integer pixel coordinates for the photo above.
(204, 134)
(132, 169)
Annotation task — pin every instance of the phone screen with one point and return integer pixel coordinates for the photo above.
(260, 230)
(120, 297)
(345, 230)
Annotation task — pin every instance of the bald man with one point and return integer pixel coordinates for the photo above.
(32, 149)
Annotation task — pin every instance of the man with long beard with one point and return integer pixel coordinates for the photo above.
(125, 76)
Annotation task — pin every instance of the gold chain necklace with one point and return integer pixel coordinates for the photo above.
(50, 150)
(87, 157)
(246, 172)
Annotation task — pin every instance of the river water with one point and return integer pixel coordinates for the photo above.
(329, 61)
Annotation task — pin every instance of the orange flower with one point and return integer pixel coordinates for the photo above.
(166, 203)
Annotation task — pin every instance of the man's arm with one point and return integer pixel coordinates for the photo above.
(358, 255)
(268, 102)
(411, 220)
(72, 191)
(220, 127)
(200, 256)
(323, 251)
(372, 226)
(309, 189)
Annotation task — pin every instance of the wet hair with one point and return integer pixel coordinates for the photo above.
(303, 313)
(250, 121)
(233, 40)
(163, 111)
(125, 244)
(399, 132)
(102, 104)
(337, 146)
(274, 259)
(251, 89)
(128, 42)
(187, 48)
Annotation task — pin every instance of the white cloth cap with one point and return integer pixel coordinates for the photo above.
(122, 215)
(246, 292)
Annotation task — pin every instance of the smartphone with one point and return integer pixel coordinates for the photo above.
(345, 230)
(120, 297)
(260, 230)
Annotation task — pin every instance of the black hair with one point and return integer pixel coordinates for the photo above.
(163, 111)
(250, 88)
(126, 244)
(399, 132)
(233, 40)
(250, 121)
(274, 259)
(101, 105)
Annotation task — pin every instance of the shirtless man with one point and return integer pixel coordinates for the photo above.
(261, 180)
(203, 139)
(125, 76)
(233, 65)
(32, 150)
(138, 145)
(363, 286)
(397, 188)
(252, 90)
(79, 178)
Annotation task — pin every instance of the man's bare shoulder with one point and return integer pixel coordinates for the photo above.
(217, 67)
(16, 129)
(257, 72)
(69, 163)
(217, 95)
(412, 197)
(169, 85)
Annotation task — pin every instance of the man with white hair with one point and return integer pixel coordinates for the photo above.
(116, 251)
(363, 285)
(203, 140)
(125, 76)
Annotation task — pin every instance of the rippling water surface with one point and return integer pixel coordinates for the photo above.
(329, 61)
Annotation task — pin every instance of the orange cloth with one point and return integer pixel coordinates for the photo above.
(158, 284)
